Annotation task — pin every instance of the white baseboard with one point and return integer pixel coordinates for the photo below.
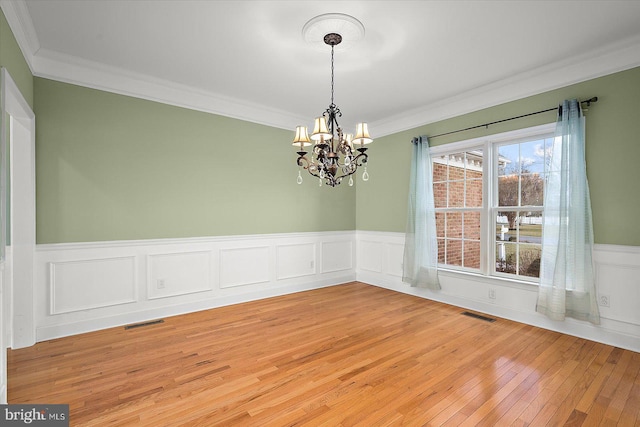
(83, 287)
(379, 256)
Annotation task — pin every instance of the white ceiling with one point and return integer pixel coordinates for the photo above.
(419, 61)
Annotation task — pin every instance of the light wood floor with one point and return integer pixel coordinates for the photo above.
(347, 355)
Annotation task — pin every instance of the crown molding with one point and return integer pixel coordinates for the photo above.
(21, 25)
(610, 59)
(70, 69)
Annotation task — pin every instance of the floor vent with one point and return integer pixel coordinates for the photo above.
(478, 316)
(139, 325)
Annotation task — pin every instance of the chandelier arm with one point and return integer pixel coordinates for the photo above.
(302, 158)
(361, 159)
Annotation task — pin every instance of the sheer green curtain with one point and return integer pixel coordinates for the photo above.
(567, 284)
(420, 264)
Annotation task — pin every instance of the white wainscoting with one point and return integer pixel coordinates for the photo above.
(91, 283)
(297, 260)
(337, 256)
(379, 262)
(82, 287)
(170, 275)
(244, 266)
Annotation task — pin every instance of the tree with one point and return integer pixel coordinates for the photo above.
(529, 186)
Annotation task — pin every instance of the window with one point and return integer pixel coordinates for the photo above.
(489, 200)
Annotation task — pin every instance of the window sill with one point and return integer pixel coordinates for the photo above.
(491, 280)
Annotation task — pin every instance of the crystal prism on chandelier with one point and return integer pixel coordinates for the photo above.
(334, 155)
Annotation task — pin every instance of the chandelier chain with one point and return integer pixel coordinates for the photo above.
(332, 103)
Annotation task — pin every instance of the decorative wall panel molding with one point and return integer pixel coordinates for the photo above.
(337, 256)
(91, 283)
(178, 274)
(295, 260)
(244, 266)
(395, 255)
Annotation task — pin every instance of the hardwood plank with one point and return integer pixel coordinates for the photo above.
(340, 356)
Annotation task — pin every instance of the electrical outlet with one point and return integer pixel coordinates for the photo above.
(492, 294)
(603, 300)
(160, 284)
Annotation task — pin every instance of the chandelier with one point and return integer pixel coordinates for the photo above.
(334, 155)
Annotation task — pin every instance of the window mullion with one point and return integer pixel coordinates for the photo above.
(487, 251)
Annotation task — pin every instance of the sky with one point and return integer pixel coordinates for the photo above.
(530, 153)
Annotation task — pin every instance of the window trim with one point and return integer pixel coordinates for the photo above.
(490, 145)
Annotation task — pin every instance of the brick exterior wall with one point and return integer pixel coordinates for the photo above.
(449, 191)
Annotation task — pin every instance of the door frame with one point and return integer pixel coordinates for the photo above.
(18, 284)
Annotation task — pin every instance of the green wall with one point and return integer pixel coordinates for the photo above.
(112, 167)
(612, 152)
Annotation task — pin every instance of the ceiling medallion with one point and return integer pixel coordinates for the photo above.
(333, 155)
(351, 30)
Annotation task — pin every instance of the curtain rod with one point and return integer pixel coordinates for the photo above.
(588, 102)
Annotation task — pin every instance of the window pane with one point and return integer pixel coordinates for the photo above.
(502, 227)
(529, 260)
(508, 219)
(474, 193)
(472, 254)
(440, 194)
(439, 169)
(506, 237)
(456, 166)
(533, 157)
(506, 257)
(454, 225)
(456, 194)
(531, 189)
(474, 165)
(508, 190)
(454, 252)
(530, 229)
(440, 224)
(441, 251)
(472, 225)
